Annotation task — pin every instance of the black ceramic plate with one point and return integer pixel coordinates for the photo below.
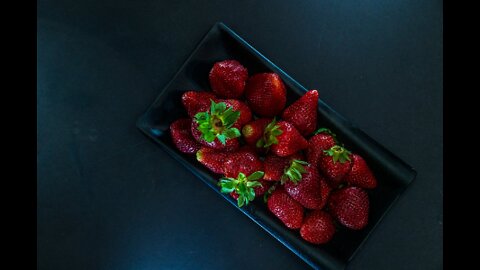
(222, 43)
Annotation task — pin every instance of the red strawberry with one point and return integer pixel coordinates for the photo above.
(230, 144)
(215, 127)
(284, 207)
(276, 166)
(243, 173)
(181, 136)
(266, 94)
(212, 159)
(335, 164)
(288, 142)
(197, 101)
(360, 175)
(245, 112)
(228, 78)
(303, 113)
(253, 130)
(308, 189)
(244, 162)
(318, 227)
(323, 139)
(350, 207)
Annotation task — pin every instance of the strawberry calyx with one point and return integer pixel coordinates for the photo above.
(218, 122)
(327, 131)
(294, 171)
(270, 133)
(242, 185)
(338, 153)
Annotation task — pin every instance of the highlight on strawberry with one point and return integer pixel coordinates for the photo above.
(241, 130)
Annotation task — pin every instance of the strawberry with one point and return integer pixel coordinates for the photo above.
(197, 101)
(212, 159)
(303, 113)
(228, 78)
(181, 136)
(350, 206)
(266, 94)
(214, 128)
(318, 227)
(245, 112)
(282, 138)
(360, 174)
(276, 167)
(284, 207)
(335, 164)
(253, 130)
(323, 139)
(307, 189)
(242, 169)
(244, 162)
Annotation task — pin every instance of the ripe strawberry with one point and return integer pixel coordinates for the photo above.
(181, 136)
(323, 139)
(303, 113)
(212, 159)
(244, 162)
(360, 174)
(266, 94)
(228, 78)
(214, 128)
(242, 176)
(308, 189)
(245, 112)
(197, 101)
(318, 227)
(276, 167)
(335, 164)
(284, 207)
(350, 206)
(282, 138)
(253, 130)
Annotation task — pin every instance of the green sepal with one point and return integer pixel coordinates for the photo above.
(269, 192)
(242, 185)
(270, 133)
(294, 171)
(327, 131)
(217, 123)
(338, 153)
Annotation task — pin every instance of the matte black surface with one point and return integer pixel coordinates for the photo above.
(222, 43)
(110, 199)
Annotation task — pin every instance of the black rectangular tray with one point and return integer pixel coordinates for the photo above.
(222, 43)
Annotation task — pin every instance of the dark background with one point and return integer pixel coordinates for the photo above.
(109, 198)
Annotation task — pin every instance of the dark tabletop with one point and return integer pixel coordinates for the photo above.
(109, 198)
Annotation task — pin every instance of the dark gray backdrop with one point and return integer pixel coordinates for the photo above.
(108, 198)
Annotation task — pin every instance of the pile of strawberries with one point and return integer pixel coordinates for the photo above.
(242, 131)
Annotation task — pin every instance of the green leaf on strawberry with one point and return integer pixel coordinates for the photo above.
(272, 130)
(338, 153)
(294, 171)
(327, 131)
(242, 185)
(218, 122)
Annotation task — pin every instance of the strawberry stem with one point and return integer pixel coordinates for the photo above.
(218, 122)
(294, 171)
(270, 133)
